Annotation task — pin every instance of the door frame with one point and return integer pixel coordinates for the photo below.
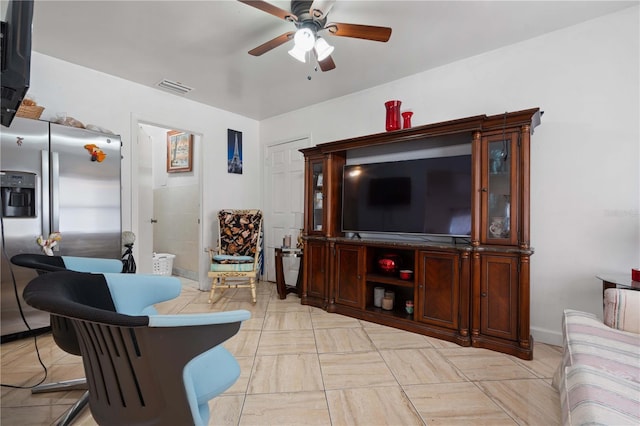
(136, 120)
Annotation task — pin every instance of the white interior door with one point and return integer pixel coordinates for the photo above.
(144, 238)
(284, 204)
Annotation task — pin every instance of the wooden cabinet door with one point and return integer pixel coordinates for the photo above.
(349, 282)
(499, 296)
(315, 256)
(439, 289)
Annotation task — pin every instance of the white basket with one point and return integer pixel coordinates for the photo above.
(163, 263)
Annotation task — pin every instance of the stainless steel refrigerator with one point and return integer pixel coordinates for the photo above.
(54, 178)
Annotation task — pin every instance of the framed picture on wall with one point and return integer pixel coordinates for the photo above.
(179, 151)
(234, 151)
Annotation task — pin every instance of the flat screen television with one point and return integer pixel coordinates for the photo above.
(15, 70)
(430, 196)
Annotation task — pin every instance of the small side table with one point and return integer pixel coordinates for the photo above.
(283, 288)
(617, 281)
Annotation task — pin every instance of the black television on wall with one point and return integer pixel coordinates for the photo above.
(15, 70)
(430, 196)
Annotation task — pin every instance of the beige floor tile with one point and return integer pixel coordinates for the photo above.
(343, 340)
(546, 359)
(41, 415)
(290, 304)
(391, 338)
(358, 369)
(244, 343)
(420, 366)
(285, 373)
(530, 402)
(371, 406)
(299, 408)
(287, 321)
(225, 410)
(485, 365)
(456, 404)
(287, 342)
(322, 319)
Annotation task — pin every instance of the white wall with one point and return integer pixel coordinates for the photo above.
(113, 103)
(585, 154)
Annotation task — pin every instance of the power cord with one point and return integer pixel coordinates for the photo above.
(15, 292)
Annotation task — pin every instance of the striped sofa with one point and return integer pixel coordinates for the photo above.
(599, 376)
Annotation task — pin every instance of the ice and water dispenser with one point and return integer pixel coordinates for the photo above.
(18, 194)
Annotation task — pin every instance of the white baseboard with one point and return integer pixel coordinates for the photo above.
(543, 335)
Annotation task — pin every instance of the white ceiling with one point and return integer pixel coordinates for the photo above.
(204, 44)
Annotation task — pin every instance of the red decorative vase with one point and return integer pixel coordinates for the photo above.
(393, 115)
(406, 116)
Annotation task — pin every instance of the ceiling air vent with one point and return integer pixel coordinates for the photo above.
(174, 86)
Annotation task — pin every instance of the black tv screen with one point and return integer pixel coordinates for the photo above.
(16, 57)
(429, 196)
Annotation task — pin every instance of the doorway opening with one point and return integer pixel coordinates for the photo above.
(167, 205)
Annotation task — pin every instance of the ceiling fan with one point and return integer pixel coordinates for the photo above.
(310, 18)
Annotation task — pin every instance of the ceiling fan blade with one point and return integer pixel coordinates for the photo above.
(326, 64)
(366, 32)
(269, 8)
(320, 8)
(272, 44)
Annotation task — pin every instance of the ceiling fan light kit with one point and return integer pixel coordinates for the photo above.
(310, 18)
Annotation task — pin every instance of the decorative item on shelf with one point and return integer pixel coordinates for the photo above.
(393, 115)
(391, 295)
(406, 119)
(406, 274)
(387, 303)
(499, 227)
(496, 163)
(286, 241)
(635, 274)
(378, 295)
(389, 263)
(409, 306)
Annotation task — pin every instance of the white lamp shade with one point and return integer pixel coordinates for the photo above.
(323, 49)
(298, 53)
(304, 39)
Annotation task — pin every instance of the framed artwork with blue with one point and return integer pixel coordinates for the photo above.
(234, 151)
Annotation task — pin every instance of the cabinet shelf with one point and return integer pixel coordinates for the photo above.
(385, 279)
(396, 313)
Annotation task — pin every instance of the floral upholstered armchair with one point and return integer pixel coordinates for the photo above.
(239, 252)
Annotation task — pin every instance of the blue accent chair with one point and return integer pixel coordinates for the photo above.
(61, 329)
(141, 368)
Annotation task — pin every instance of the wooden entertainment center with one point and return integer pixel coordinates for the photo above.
(472, 291)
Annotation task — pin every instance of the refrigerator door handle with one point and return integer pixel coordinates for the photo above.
(45, 191)
(55, 192)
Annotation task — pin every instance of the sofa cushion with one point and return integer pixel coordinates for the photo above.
(589, 395)
(622, 309)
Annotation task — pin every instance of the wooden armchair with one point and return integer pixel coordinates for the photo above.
(239, 251)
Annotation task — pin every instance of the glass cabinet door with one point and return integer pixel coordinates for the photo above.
(499, 187)
(317, 196)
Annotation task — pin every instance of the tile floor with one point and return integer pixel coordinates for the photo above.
(303, 366)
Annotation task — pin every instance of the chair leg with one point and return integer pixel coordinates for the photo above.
(214, 283)
(252, 284)
(70, 415)
(67, 385)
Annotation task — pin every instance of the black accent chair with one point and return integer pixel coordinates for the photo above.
(141, 367)
(61, 329)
